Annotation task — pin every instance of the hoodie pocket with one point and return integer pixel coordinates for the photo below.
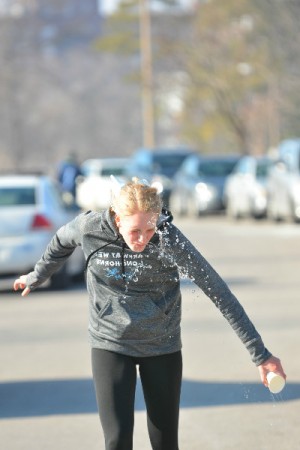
(97, 312)
(135, 318)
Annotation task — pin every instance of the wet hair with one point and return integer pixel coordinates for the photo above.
(136, 196)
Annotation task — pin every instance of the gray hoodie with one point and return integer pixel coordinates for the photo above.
(135, 298)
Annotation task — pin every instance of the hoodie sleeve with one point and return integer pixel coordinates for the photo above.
(59, 249)
(193, 265)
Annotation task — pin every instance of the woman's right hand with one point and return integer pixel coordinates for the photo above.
(20, 283)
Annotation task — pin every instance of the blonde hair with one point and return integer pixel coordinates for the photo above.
(136, 196)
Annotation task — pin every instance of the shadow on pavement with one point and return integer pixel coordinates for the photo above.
(76, 396)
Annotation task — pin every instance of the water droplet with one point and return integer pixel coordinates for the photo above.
(246, 394)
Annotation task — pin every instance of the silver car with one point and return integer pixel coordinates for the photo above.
(94, 188)
(245, 191)
(31, 211)
(198, 185)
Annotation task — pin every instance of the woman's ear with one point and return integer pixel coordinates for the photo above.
(117, 220)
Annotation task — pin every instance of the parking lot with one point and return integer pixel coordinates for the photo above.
(46, 392)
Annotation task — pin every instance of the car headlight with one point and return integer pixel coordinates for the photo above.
(161, 183)
(205, 191)
(158, 186)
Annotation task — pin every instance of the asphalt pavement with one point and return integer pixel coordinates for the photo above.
(46, 393)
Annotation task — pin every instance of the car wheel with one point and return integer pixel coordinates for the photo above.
(258, 216)
(295, 217)
(272, 213)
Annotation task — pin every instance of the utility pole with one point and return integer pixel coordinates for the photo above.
(146, 74)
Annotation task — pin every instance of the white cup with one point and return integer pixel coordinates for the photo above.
(275, 382)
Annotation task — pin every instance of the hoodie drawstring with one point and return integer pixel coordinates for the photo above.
(103, 246)
(95, 251)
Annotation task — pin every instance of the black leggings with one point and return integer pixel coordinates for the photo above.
(115, 383)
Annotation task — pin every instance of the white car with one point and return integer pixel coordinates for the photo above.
(284, 183)
(245, 191)
(94, 190)
(31, 211)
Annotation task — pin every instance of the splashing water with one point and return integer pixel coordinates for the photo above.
(165, 245)
(124, 296)
(246, 393)
(277, 398)
(161, 243)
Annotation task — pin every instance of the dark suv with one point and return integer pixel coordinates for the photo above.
(158, 165)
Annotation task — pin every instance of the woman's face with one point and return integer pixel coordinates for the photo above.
(137, 229)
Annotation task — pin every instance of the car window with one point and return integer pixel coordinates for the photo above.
(262, 169)
(168, 164)
(88, 170)
(289, 152)
(116, 171)
(190, 166)
(142, 160)
(244, 166)
(53, 196)
(16, 196)
(216, 168)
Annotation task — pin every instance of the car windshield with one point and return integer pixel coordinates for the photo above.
(262, 169)
(216, 168)
(116, 171)
(15, 196)
(168, 164)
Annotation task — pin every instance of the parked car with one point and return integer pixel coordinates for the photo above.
(94, 189)
(159, 166)
(198, 185)
(284, 183)
(245, 191)
(31, 211)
